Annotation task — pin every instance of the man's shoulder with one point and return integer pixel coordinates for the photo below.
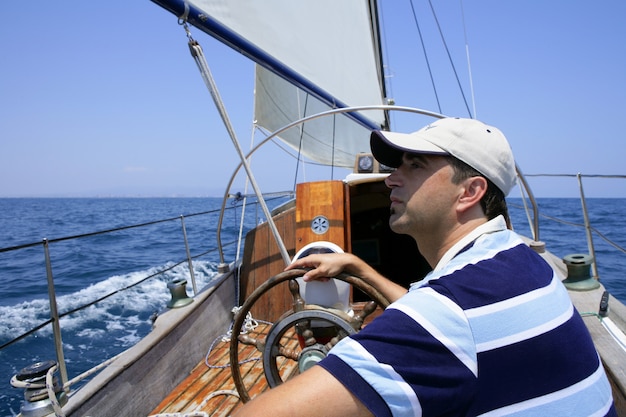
(496, 267)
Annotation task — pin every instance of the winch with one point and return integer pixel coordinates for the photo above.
(43, 394)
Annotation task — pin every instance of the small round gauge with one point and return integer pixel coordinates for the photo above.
(366, 163)
(320, 225)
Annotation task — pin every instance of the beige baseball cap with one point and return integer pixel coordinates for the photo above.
(482, 147)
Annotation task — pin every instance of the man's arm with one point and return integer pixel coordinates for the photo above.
(313, 393)
(332, 264)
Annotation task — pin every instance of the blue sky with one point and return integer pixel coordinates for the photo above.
(102, 97)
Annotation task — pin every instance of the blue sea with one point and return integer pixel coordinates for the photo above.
(128, 263)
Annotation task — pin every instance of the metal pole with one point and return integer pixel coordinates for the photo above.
(533, 202)
(592, 251)
(198, 55)
(191, 272)
(54, 315)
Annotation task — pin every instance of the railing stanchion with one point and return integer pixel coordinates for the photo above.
(592, 251)
(191, 273)
(54, 315)
(534, 229)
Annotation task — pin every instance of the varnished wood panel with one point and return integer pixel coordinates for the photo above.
(323, 198)
(262, 260)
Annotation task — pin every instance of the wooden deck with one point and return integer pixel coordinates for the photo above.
(211, 389)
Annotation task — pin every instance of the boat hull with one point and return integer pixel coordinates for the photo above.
(142, 376)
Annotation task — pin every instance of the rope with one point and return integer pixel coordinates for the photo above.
(51, 394)
(41, 390)
(249, 325)
(198, 56)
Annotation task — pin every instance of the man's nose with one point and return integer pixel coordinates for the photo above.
(392, 179)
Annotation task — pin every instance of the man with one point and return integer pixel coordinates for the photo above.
(490, 331)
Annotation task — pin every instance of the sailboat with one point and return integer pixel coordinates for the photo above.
(319, 92)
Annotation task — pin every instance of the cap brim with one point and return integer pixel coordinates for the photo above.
(388, 147)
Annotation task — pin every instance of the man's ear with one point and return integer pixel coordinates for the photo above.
(474, 188)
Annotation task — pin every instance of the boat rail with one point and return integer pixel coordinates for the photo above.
(239, 202)
(589, 229)
(55, 316)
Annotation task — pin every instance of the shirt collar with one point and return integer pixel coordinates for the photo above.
(494, 225)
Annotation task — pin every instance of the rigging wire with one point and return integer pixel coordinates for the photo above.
(454, 70)
(332, 165)
(387, 73)
(306, 105)
(430, 72)
(467, 55)
(449, 58)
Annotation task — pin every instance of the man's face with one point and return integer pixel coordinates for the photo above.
(423, 196)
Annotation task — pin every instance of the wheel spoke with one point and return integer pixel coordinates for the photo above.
(285, 352)
(298, 301)
(316, 328)
(250, 341)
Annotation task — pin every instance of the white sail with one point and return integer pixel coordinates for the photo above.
(333, 140)
(327, 48)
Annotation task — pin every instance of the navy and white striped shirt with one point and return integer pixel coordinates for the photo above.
(490, 331)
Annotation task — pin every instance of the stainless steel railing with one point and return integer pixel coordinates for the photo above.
(589, 229)
(55, 315)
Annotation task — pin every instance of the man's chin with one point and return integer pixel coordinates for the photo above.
(394, 225)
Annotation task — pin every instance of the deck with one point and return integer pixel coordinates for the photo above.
(210, 388)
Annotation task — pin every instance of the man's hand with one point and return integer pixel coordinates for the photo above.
(328, 265)
(324, 266)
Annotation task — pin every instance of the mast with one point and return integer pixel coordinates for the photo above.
(380, 68)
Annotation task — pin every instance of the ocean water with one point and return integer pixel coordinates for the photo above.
(92, 266)
(561, 227)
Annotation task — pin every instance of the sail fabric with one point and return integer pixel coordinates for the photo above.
(327, 48)
(330, 140)
(326, 43)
